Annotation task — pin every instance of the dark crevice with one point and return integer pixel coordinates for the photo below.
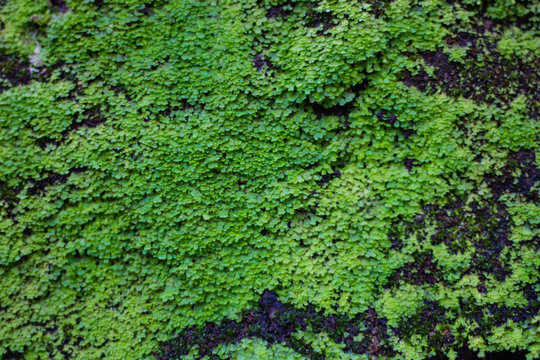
(90, 119)
(281, 10)
(275, 322)
(419, 80)
(262, 62)
(377, 8)
(524, 163)
(323, 20)
(326, 178)
(498, 315)
(336, 110)
(406, 133)
(271, 321)
(494, 78)
(147, 10)
(14, 71)
(422, 270)
(13, 355)
(483, 227)
(385, 117)
(98, 3)
(430, 322)
(8, 196)
(467, 354)
(59, 5)
(409, 163)
(39, 186)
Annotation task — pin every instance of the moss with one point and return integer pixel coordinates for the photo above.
(242, 178)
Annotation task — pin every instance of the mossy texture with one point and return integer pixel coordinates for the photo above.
(373, 164)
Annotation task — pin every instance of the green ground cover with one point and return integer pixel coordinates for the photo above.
(373, 164)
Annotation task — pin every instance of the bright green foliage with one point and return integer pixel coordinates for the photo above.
(322, 344)
(201, 185)
(256, 349)
(21, 20)
(520, 44)
(249, 349)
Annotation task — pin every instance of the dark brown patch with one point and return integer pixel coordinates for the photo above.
(324, 20)
(423, 270)
(262, 62)
(482, 288)
(420, 80)
(401, 229)
(376, 334)
(461, 38)
(39, 186)
(377, 8)
(409, 163)
(278, 10)
(271, 321)
(16, 72)
(8, 196)
(147, 10)
(13, 355)
(483, 228)
(447, 71)
(59, 5)
(383, 116)
(431, 323)
(326, 178)
(497, 78)
(274, 322)
(406, 133)
(523, 162)
(336, 110)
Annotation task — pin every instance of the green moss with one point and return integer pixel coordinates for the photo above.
(180, 157)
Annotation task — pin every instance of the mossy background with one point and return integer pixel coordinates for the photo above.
(163, 163)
